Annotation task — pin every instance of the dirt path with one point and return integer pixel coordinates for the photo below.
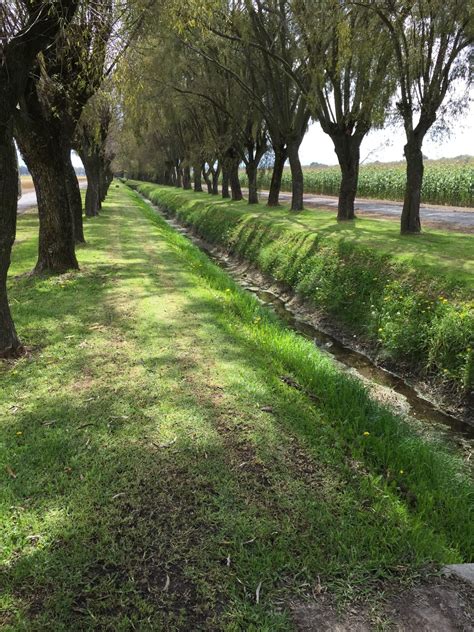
(442, 217)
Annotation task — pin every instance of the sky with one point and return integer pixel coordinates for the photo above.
(387, 144)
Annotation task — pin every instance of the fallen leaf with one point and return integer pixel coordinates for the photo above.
(266, 409)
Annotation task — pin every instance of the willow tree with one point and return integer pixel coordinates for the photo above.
(66, 77)
(262, 40)
(432, 43)
(26, 28)
(93, 144)
(349, 82)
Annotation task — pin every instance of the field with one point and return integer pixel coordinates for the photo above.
(445, 181)
(27, 185)
(158, 473)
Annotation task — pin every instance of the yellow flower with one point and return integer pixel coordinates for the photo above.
(366, 434)
(19, 433)
(380, 329)
(401, 472)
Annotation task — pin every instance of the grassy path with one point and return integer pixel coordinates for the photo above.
(156, 471)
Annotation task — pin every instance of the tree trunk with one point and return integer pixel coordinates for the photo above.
(215, 180)
(225, 182)
(91, 162)
(207, 179)
(251, 170)
(410, 221)
(74, 197)
(186, 178)
(197, 180)
(56, 253)
(297, 183)
(347, 149)
(42, 148)
(105, 176)
(275, 184)
(235, 181)
(10, 345)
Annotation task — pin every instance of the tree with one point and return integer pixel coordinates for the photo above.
(432, 42)
(91, 143)
(26, 28)
(267, 29)
(348, 83)
(66, 76)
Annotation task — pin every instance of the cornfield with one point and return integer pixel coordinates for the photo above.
(444, 182)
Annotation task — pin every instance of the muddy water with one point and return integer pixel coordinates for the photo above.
(386, 386)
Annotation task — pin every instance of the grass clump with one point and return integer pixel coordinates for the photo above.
(156, 470)
(413, 306)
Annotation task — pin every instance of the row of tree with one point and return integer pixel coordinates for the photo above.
(193, 89)
(55, 57)
(214, 84)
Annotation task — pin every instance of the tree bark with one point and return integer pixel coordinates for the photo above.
(225, 182)
(197, 179)
(187, 178)
(410, 220)
(235, 181)
(277, 173)
(41, 144)
(207, 179)
(347, 149)
(251, 169)
(297, 183)
(10, 345)
(91, 164)
(74, 197)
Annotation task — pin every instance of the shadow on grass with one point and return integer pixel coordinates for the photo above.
(115, 524)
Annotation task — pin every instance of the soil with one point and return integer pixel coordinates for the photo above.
(434, 605)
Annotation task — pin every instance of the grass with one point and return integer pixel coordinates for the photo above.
(412, 306)
(156, 470)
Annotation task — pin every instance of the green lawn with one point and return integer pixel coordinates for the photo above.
(156, 471)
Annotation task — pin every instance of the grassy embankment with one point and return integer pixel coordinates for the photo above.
(157, 471)
(448, 181)
(410, 297)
